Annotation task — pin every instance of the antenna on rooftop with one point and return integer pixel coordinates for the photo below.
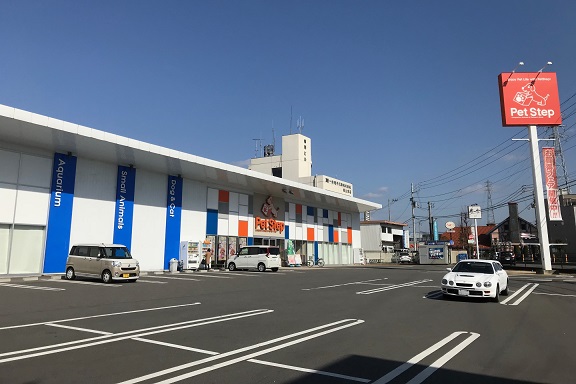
(300, 124)
(258, 149)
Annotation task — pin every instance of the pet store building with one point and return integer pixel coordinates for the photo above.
(63, 183)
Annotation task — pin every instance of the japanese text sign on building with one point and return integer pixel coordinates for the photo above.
(529, 98)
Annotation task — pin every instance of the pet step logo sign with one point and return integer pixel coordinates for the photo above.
(529, 98)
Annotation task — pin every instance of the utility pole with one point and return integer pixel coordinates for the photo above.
(390, 201)
(430, 222)
(413, 203)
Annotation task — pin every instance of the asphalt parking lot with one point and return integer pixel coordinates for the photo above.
(370, 324)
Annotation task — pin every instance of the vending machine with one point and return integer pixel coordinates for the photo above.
(190, 255)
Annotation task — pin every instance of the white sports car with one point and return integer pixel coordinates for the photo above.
(476, 278)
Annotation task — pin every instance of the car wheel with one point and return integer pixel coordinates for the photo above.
(231, 267)
(70, 275)
(505, 291)
(274, 269)
(261, 267)
(107, 277)
(497, 294)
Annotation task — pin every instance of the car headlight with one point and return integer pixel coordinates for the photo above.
(451, 282)
(116, 263)
(444, 281)
(487, 284)
(478, 284)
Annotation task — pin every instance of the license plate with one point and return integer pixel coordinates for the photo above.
(126, 275)
(463, 292)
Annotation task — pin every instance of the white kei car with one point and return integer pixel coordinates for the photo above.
(476, 278)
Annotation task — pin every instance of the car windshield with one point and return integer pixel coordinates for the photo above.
(474, 267)
(116, 253)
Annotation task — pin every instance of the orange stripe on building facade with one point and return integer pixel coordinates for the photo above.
(310, 234)
(349, 235)
(336, 235)
(242, 228)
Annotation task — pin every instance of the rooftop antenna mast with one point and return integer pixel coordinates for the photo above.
(258, 149)
(300, 124)
(290, 119)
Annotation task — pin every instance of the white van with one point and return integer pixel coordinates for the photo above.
(259, 257)
(109, 262)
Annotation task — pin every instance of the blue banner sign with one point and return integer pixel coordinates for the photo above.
(60, 213)
(124, 211)
(173, 220)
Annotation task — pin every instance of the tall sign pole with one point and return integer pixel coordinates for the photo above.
(475, 212)
(531, 99)
(541, 222)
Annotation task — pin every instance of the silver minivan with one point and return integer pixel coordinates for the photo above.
(259, 257)
(109, 262)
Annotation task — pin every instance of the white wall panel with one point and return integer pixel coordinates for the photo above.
(35, 171)
(250, 226)
(193, 225)
(32, 206)
(233, 225)
(9, 164)
(94, 201)
(223, 224)
(7, 202)
(212, 199)
(149, 227)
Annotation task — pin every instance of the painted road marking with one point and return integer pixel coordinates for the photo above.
(95, 316)
(518, 292)
(554, 294)
(100, 284)
(31, 287)
(342, 285)
(434, 366)
(112, 338)
(333, 327)
(171, 278)
(307, 370)
(378, 290)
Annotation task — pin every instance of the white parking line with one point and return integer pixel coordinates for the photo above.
(517, 293)
(112, 338)
(378, 290)
(95, 316)
(314, 371)
(85, 283)
(554, 294)
(342, 285)
(171, 278)
(338, 325)
(434, 366)
(31, 287)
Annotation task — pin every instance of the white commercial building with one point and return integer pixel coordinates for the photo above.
(62, 183)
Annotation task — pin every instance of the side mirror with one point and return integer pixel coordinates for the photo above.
(449, 269)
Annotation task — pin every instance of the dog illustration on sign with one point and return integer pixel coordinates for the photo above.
(528, 95)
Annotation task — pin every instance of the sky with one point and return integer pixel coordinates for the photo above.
(393, 94)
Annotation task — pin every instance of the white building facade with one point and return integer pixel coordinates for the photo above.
(62, 183)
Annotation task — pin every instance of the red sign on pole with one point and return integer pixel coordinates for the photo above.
(529, 98)
(549, 157)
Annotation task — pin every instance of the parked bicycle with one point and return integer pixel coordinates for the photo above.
(310, 262)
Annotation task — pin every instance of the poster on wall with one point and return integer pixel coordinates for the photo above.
(232, 250)
(222, 240)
